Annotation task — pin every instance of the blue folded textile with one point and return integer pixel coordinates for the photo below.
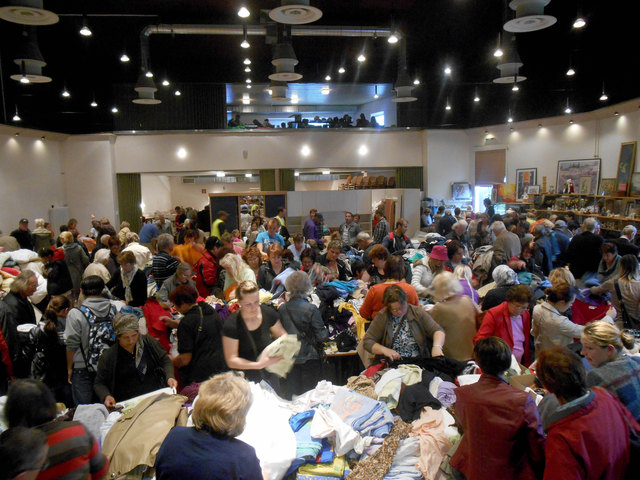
(367, 416)
(307, 447)
(326, 454)
(348, 287)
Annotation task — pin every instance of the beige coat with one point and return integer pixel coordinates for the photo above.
(457, 317)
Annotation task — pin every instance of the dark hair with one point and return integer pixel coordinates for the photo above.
(628, 266)
(46, 252)
(29, 403)
(487, 201)
(393, 294)
(275, 249)
(560, 293)
(211, 243)
(63, 228)
(56, 305)
(92, 285)
(452, 247)
(126, 257)
(493, 355)
(357, 267)
(114, 241)
(308, 253)
(379, 252)
(298, 237)
(456, 211)
(280, 209)
(561, 372)
(190, 234)
(394, 268)
(183, 294)
(609, 247)
(519, 294)
(21, 449)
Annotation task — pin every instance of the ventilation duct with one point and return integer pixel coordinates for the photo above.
(529, 16)
(278, 91)
(30, 59)
(28, 12)
(404, 85)
(146, 89)
(285, 60)
(295, 12)
(510, 63)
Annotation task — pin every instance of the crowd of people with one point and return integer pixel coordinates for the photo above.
(331, 122)
(183, 301)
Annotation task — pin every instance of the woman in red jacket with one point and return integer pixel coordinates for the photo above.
(588, 436)
(510, 321)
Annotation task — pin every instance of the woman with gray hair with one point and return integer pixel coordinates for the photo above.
(41, 236)
(136, 364)
(182, 276)
(300, 317)
(504, 277)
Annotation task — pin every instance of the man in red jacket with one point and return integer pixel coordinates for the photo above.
(588, 436)
(511, 321)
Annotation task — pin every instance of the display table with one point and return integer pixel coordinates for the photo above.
(342, 365)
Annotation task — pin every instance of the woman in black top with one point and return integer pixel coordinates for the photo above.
(199, 337)
(129, 283)
(274, 266)
(135, 365)
(247, 332)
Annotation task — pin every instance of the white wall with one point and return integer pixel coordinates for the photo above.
(89, 179)
(156, 194)
(380, 105)
(31, 179)
(449, 159)
(190, 194)
(235, 150)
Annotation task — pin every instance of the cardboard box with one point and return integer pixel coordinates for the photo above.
(524, 381)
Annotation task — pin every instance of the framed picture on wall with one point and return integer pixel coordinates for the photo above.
(585, 175)
(634, 187)
(461, 191)
(524, 178)
(625, 167)
(607, 186)
(533, 189)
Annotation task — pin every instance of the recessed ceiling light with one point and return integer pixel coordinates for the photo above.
(341, 70)
(247, 61)
(220, 174)
(515, 87)
(165, 83)
(149, 74)
(248, 80)
(243, 12)
(245, 44)
(579, 22)
(327, 78)
(476, 99)
(361, 58)
(124, 58)
(114, 110)
(416, 82)
(305, 150)
(571, 72)
(247, 69)
(447, 70)
(363, 150)
(181, 153)
(393, 38)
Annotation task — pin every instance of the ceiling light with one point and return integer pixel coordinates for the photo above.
(529, 16)
(247, 69)
(24, 79)
(571, 72)
(245, 43)
(476, 98)
(248, 86)
(248, 175)
(166, 83)
(296, 174)
(447, 70)
(146, 88)
(447, 107)
(248, 80)
(65, 93)
(416, 82)
(604, 97)
(326, 172)
(510, 120)
(294, 98)
(363, 150)
(361, 58)
(247, 61)
(85, 31)
(124, 58)
(220, 174)
(498, 52)
(515, 87)
(181, 153)
(579, 22)
(325, 90)
(177, 93)
(114, 110)
(341, 70)
(149, 74)
(16, 117)
(305, 150)
(571, 121)
(94, 104)
(284, 59)
(568, 109)
(243, 12)
(393, 38)
(511, 129)
(327, 78)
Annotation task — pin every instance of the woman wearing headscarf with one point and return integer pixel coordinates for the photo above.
(136, 364)
(504, 278)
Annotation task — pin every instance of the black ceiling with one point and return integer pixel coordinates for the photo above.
(461, 33)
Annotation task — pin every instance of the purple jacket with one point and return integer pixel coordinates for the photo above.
(310, 230)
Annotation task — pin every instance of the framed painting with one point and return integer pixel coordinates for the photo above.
(505, 192)
(585, 175)
(634, 186)
(461, 191)
(607, 186)
(533, 189)
(625, 167)
(524, 178)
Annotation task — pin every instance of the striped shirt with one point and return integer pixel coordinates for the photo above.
(164, 265)
(73, 453)
(381, 230)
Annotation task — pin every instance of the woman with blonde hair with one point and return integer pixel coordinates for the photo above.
(456, 313)
(625, 292)
(562, 275)
(237, 271)
(464, 275)
(76, 260)
(603, 346)
(210, 450)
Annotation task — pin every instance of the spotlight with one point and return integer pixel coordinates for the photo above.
(579, 22)
(124, 58)
(361, 58)
(149, 74)
(247, 69)
(177, 93)
(476, 99)
(94, 104)
(114, 110)
(393, 38)
(515, 87)
(247, 61)
(24, 79)
(571, 72)
(341, 70)
(85, 31)
(243, 12)
(416, 82)
(165, 83)
(447, 70)
(327, 78)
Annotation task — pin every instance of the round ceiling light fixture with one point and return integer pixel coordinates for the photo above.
(295, 12)
(28, 12)
(529, 16)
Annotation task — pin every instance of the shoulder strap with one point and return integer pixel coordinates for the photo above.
(199, 325)
(625, 315)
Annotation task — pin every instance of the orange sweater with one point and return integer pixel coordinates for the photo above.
(373, 301)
